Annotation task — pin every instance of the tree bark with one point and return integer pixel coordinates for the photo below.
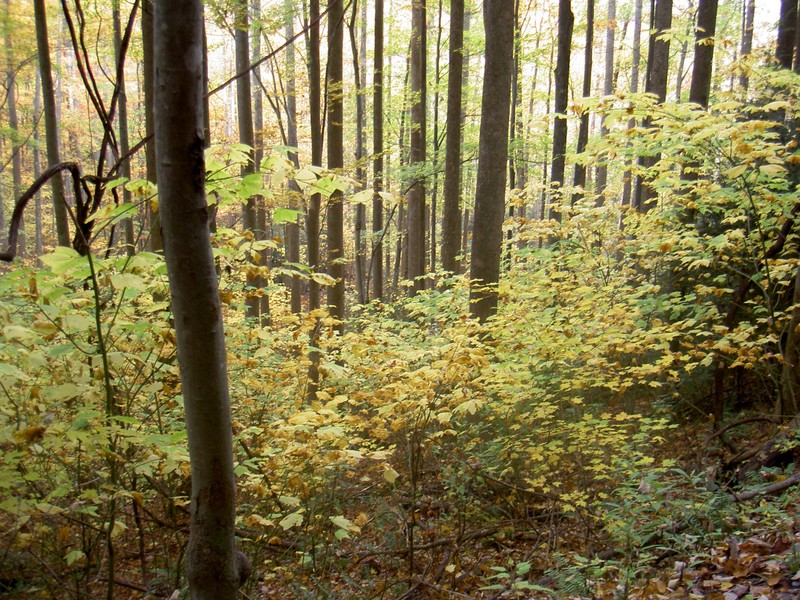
(608, 89)
(703, 52)
(335, 133)
(627, 181)
(451, 218)
(212, 567)
(122, 127)
(13, 123)
(487, 237)
(148, 70)
(579, 180)
(784, 49)
(748, 18)
(51, 123)
(377, 151)
(565, 22)
(293, 228)
(416, 193)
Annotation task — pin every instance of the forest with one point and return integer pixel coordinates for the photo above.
(399, 299)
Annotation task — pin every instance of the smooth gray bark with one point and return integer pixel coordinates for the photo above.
(213, 569)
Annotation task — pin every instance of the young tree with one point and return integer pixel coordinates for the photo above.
(451, 220)
(13, 120)
(608, 89)
(122, 124)
(487, 237)
(215, 570)
(51, 122)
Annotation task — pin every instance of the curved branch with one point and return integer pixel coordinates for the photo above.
(22, 202)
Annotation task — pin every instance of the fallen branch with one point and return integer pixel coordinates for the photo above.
(770, 489)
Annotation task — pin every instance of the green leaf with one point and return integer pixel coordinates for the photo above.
(62, 259)
(292, 520)
(285, 215)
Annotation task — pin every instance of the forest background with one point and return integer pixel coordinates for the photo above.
(511, 299)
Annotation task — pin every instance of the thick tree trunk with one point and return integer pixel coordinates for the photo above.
(377, 162)
(565, 22)
(212, 566)
(451, 218)
(51, 123)
(787, 25)
(335, 126)
(416, 194)
(490, 187)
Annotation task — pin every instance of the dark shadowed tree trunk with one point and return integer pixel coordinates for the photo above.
(748, 17)
(703, 52)
(335, 127)
(627, 181)
(148, 76)
(657, 72)
(377, 162)
(51, 123)
(787, 25)
(213, 568)
(565, 22)
(416, 193)
(451, 218)
(487, 235)
(293, 228)
(315, 118)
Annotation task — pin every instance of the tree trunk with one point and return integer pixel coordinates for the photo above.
(37, 168)
(359, 52)
(416, 194)
(565, 22)
(314, 109)
(122, 127)
(784, 49)
(13, 124)
(608, 89)
(244, 113)
(451, 218)
(748, 17)
(657, 72)
(487, 234)
(293, 228)
(377, 163)
(579, 180)
(703, 52)
(51, 123)
(335, 132)
(148, 70)
(213, 570)
(627, 181)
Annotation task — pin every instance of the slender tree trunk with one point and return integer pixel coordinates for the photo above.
(13, 124)
(679, 74)
(627, 185)
(314, 109)
(244, 111)
(451, 219)
(487, 236)
(377, 151)
(359, 52)
(37, 167)
(748, 18)
(432, 238)
(608, 89)
(148, 69)
(51, 123)
(657, 72)
(335, 127)
(565, 22)
(293, 228)
(122, 127)
(416, 194)
(213, 568)
(703, 52)
(579, 180)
